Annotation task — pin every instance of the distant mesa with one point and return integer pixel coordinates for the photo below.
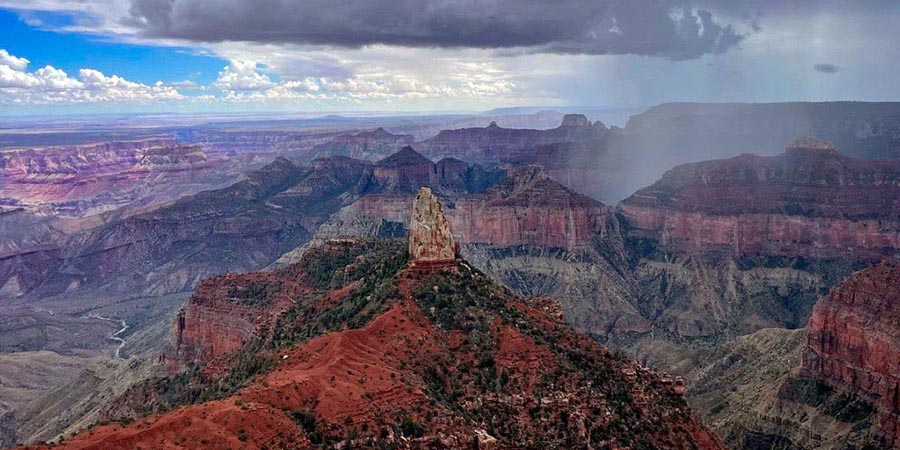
(430, 240)
(575, 120)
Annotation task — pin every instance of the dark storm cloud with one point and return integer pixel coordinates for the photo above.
(825, 68)
(667, 28)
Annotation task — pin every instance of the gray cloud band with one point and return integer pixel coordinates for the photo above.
(664, 28)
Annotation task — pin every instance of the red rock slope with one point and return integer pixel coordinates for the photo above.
(854, 342)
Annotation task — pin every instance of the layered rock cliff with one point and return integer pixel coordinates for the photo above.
(85, 179)
(854, 342)
(224, 313)
(810, 201)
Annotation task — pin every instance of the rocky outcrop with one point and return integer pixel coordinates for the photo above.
(493, 144)
(575, 120)
(854, 342)
(430, 240)
(809, 201)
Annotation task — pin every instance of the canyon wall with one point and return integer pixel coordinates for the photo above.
(854, 342)
(223, 314)
(808, 202)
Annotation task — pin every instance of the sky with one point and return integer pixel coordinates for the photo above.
(119, 56)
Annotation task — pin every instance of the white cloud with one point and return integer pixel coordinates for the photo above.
(18, 64)
(242, 76)
(51, 85)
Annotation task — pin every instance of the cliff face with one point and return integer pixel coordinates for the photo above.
(224, 313)
(809, 202)
(854, 342)
(527, 208)
(494, 144)
(376, 353)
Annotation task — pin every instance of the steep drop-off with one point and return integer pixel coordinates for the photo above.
(809, 201)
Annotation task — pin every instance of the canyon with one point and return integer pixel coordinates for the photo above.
(407, 353)
(87, 179)
(689, 274)
(810, 201)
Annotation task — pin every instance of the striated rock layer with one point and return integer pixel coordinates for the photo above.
(223, 314)
(809, 201)
(854, 342)
(82, 179)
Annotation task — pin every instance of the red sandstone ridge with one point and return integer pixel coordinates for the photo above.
(854, 342)
(227, 311)
(810, 201)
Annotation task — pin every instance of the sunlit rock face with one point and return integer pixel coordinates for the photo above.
(430, 239)
(854, 342)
